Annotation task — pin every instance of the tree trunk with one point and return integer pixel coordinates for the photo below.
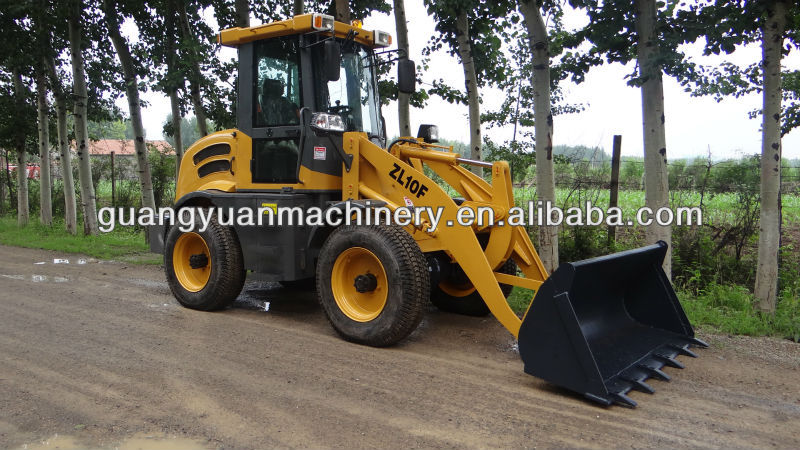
(134, 104)
(2, 188)
(196, 76)
(471, 84)
(342, 11)
(45, 186)
(543, 123)
(177, 136)
(655, 147)
(88, 200)
(8, 180)
(766, 288)
(401, 25)
(23, 212)
(299, 7)
(242, 13)
(70, 213)
(174, 81)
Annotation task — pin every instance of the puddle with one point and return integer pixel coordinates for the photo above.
(37, 278)
(60, 261)
(139, 441)
(13, 277)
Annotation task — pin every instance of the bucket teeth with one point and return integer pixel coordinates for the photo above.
(655, 373)
(697, 342)
(683, 350)
(640, 385)
(623, 399)
(669, 361)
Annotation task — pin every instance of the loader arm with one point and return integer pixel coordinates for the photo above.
(396, 177)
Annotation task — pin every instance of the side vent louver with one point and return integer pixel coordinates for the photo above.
(222, 165)
(212, 150)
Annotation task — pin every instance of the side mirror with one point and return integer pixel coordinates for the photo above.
(332, 60)
(406, 76)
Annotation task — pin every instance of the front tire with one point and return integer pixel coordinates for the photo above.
(372, 283)
(205, 268)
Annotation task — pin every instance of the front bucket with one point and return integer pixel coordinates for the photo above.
(603, 326)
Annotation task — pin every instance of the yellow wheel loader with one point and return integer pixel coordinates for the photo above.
(311, 135)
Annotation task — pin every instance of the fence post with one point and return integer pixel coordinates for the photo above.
(113, 183)
(614, 188)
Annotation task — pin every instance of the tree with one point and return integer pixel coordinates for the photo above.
(471, 86)
(618, 33)
(773, 28)
(471, 30)
(81, 95)
(130, 78)
(543, 123)
(70, 207)
(45, 188)
(653, 118)
(401, 25)
(194, 50)
(342, 11)
(23, 212)
(726, 25)
(242, 13)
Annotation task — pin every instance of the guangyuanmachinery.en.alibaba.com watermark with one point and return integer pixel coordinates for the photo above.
(427, 217)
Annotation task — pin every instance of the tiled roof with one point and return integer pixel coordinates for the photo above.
(123, 147)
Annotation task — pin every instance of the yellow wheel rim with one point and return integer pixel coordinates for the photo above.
(359, 284)
(455, 290)
(187, 261)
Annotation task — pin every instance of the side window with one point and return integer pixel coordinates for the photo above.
(275, 160)
(277, 83)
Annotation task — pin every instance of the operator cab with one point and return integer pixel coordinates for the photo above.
(303, 82)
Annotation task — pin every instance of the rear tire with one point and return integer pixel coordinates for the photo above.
(372, 283)
(205, 269)
(461, 297)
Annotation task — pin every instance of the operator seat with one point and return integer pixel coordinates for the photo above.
(276, 109)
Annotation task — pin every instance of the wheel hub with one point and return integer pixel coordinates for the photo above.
(365, 283)
(191, 261)
(359, 284)
(198, 261)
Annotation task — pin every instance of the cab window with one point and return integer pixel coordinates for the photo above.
(277, 83)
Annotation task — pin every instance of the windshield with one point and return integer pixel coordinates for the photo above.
(353, 96)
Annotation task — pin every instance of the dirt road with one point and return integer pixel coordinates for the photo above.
(100, 355)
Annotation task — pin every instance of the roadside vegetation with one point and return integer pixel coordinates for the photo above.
(121, 244)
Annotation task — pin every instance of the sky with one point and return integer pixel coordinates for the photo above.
(694, 125)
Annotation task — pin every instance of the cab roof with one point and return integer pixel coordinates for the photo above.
(233, 37)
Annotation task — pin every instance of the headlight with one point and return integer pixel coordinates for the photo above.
(381, 39)
(327, 122)
(322, 22)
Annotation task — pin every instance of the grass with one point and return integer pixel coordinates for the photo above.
(718, 207)
(721, 309)
(123, 244)
(731, 309)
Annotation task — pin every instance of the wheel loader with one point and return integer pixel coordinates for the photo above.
(310, 134)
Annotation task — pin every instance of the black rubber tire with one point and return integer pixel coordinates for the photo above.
(407, 276)
(471, 304)
(227, 268)
(305, 284)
